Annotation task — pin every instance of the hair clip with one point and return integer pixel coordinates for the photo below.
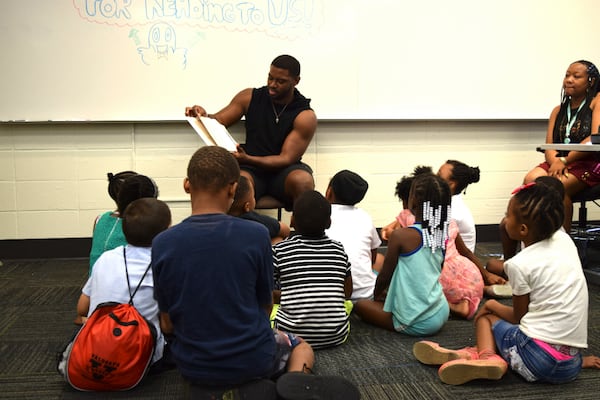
(522, 187)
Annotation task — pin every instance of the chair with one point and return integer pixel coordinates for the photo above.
(267, 202)
(588, 194)
(586, 238)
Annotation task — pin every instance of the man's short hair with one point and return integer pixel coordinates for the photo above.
(289, 63)
(212, 168)
(145, 218)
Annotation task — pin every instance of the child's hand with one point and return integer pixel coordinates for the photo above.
(592, 362)
(387, 230)
(484, 310)
(492, 279)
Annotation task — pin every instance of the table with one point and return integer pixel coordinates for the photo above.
(592, 274)
(569, 147)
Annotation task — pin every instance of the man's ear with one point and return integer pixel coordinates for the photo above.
(328, 224)
(186, 184)
(247, 206)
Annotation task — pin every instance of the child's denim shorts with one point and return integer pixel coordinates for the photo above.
(531, 361)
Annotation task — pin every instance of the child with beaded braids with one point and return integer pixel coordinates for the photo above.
(408, 296)
(541, 335)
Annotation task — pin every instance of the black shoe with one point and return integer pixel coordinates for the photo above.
(301, 386)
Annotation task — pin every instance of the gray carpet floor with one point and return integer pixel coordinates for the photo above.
(37, 306)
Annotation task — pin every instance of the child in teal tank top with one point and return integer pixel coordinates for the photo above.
(123, 188)
(408, 297)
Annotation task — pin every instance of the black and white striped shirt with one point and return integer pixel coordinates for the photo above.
(312, 273)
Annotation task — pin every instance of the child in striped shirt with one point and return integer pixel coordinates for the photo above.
(314, 273)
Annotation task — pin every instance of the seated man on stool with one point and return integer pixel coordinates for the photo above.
(279, 127)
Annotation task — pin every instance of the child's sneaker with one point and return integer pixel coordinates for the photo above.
(499, 291)
(432, 353)
(301, 386)
(457, 372)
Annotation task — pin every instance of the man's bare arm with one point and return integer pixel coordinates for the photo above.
(228, 115)
(294, 147)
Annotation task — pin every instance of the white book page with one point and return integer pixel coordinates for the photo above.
(213, 133)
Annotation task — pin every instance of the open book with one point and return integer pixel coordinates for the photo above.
(212, 132)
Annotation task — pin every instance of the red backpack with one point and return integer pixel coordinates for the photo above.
(113, 349)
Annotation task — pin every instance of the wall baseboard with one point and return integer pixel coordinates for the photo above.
(17, 249)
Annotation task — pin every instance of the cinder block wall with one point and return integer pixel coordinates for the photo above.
(53, 175)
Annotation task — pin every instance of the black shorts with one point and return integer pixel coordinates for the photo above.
(273, 182)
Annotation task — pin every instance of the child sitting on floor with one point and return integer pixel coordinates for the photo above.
(354, 228)
(243, 207)
(315, 278)
(510, 246)
(542, 334)
(408, 296)
(143, 219)
(124, 188)
(406, 217)
(463, 274)
(107, 230)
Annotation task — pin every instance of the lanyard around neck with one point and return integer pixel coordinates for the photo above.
(571, 121)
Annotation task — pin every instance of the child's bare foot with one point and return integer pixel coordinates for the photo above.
(592, 362)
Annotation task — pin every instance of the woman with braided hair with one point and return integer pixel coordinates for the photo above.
(541, 335)
(573, 121)
(408, 296)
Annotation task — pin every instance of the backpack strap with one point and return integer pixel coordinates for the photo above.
(127, 275)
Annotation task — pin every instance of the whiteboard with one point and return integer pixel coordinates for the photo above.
(145, 60)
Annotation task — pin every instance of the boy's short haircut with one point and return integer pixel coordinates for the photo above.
(349, 187)
(312, 214)
(242, 190)
(212, 168)
(143, 219)
(133, 188)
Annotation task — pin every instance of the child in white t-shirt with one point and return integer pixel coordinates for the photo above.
(542, 334)
(353, 227)
(143, 219)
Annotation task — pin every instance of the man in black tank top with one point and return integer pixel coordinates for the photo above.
(279, 127)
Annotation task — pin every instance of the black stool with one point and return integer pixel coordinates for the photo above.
(267, 202)
(588, 194)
